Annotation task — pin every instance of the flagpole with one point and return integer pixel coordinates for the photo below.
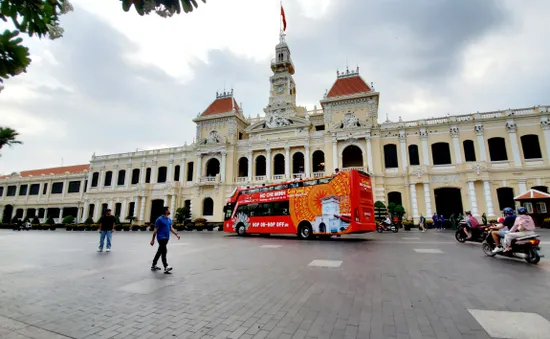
(280, 19)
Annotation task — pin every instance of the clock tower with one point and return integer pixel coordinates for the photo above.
(282, 99)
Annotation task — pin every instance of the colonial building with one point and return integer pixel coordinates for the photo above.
(476, 161)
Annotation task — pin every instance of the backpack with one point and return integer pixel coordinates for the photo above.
(474, 222)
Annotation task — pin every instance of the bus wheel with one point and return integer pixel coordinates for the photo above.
(304, 230)
(241, 230)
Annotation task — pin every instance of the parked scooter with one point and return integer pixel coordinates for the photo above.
(479, 234)
(526, 248)
(380, 227)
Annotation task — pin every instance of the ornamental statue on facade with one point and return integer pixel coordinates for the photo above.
(350, 121)
(276, 120)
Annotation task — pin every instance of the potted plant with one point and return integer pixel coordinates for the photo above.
(182, 213)
(35, 221)
(143, 228)
(94, 227)
(68, 220)
(131, 218)
(135, 228)
(200, 223)
(49, 223)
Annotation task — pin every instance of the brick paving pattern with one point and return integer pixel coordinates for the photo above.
(54, 285)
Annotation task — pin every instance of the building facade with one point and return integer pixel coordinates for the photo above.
(445, 165)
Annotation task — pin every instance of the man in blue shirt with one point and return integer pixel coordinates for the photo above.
(163, 227)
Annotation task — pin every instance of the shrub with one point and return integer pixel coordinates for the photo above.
(117, 220)
(35, 221)
(182, 213)
(407, 223)
(379, 204)
(484, 219)
(89, 221)
(68, 219)
(14, 220)
(546, 223)
(50, 221)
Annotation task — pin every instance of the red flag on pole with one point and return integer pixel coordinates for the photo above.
(284, 17)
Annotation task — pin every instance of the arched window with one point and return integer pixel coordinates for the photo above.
(161, 174)
(260, 165)
(298, 163)
(108, 178)
(212, 167)
(121, 177)
(95, 179)
(414, 159)
(497, 149)
(135, 176)
(243, 167)
(279, 164)
(352, 156)
(208, 207)
(441, 153)
(177, 170)
(318, 158)
(148, 175)
(505, 197)
(395, 197)
(390, 156)
(469, 151)
(531, 146)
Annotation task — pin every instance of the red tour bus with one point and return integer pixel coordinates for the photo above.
(334, 205)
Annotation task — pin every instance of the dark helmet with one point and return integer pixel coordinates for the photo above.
(508, 210)
(522, 210)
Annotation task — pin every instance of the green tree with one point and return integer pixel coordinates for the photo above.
(8, 136)
(182, 213)
(399, 210)
(164, 8)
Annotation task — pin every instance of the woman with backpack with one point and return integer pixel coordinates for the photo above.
(471, 222)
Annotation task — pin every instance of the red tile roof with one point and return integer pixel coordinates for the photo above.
(347, 86)
(532, 194)
(55, 170)
(221, 105)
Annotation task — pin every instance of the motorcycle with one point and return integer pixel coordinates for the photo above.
(381, 228)
(478, 234)
(526, 248)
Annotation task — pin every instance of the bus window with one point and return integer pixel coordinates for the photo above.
(324, 180)
(310, 183)
(228, 211)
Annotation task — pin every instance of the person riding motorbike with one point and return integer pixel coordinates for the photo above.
(500, 230)
(387, 222)
(470, 223)
(523, 226)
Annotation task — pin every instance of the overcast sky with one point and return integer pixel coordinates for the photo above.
(117, 81)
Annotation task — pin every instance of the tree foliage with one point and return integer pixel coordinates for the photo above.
(164, 8)
(8, 137)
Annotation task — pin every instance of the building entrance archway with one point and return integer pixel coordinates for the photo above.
(7, 214)
(157, 208)
(448, 200)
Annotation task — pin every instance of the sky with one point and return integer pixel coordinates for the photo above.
(117, 82)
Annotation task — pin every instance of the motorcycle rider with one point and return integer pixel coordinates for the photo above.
(500, 230)
(387, 222)
(523, 226)
(470, 222)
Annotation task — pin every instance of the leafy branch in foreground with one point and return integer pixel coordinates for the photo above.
(164, 8)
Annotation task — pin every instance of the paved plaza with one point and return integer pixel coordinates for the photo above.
(413, 285)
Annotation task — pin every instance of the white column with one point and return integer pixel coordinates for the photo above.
(45, 214)
(82, 187)
(223, 170)
(142, 209)
(414, 203)
(183, 171)
(123, 210)
(250, 166)
(369, 154)
(114, 179)
(287, 162)
(456, 145)
(545, 124)
(425, 150)
(85, 212)
(335, 164)
(128, 177)
(110, 205)
(170, 171)
(165, 201)
(2, 212)
(308, 163)
(199, 168)
(65, 189)
(173, 206)
(142, 172)
(428, 199)
(61, 214)
(154, 172)
(473, 199)
(268, 165)
(481, 143)
(403, 142)
(136, 206)
(90, 175)
(101, 178)
(522, 183)
(511, 125)
(488, 199)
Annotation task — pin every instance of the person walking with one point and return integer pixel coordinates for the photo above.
(422, 223)
(106, 230)
(163, 227)
(435, 220)
(442, 222)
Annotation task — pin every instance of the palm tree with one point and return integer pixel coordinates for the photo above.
(8, 137)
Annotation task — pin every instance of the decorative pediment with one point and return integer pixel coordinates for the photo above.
(278, 122)
(350, 121)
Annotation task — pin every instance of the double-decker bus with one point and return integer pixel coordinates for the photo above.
(326, 206)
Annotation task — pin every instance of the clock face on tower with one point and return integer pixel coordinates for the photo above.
(280, 89)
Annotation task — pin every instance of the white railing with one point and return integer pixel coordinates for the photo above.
(278, 177)
(318, 174)
(298, 175)
(259, 178)
(206, 180)
(242, 179)
(359, 168)
(392, 170)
